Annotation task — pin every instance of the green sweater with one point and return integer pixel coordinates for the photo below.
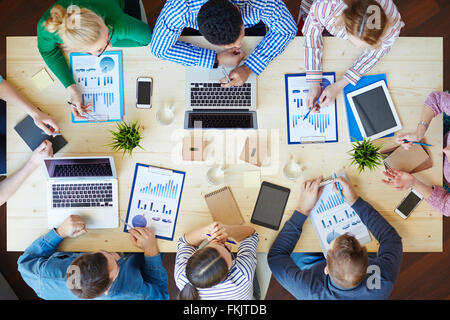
(128, 32)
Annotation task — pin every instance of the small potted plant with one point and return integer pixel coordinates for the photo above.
(126, 138)
(365, 155)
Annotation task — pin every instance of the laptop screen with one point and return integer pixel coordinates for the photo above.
(82, 167)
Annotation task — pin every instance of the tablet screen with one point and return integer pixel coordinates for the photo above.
(374, 111)
(270, 205)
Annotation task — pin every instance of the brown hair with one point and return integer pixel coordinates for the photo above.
(94, 277)
(204, 269)
(347, 261)
(357, 21)
(75, 26)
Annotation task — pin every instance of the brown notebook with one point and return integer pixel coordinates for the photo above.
(223, 206)
(413, 160)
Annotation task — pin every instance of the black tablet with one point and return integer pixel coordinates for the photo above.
(270, 205)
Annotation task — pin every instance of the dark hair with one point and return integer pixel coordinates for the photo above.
(94, 277)
(347, 261)
(220, 22)
(204, 269)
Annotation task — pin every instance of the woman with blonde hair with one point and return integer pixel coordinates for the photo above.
(370, 24)
(90, 26)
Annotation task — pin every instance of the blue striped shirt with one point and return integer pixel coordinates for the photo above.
(239, 283)
(179, 14)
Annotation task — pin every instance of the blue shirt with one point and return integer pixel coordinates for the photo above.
(179, 14)
(44, 270)
(315, 284)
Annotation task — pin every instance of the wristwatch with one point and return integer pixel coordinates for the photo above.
(421, 122)
(216, 63)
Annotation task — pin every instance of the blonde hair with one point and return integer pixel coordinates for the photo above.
(354, 19)
(77, 27)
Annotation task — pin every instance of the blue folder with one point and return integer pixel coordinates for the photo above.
(353, 128)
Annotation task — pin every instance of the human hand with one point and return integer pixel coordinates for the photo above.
(309, 194)
(217, 231)
(144, 238)
(230, 57)
(349, 193)
(314, 92)
(400, 180)
(237, 76)
(46, 123)
(44, 150)
(415, 136)
(74, 226)
(78, 108)
(329, 95)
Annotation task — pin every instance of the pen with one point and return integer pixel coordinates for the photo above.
(128, 225)
(338, 187)
(226, 74)
(414, 142)
(53, 134)
(310, 110)
(229, 241)
(84, 113)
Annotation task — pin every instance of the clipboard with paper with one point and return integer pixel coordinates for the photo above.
(155, 200)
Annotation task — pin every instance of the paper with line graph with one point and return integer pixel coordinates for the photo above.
(332, 217)
(100, 81)
(316, 127)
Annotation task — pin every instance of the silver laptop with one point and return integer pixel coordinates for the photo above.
(85, 186)
(208, 105)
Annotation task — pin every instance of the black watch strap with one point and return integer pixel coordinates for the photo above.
(216, 63)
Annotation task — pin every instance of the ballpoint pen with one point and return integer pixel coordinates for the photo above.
(315, 103)
(229, 241)
(415, 142)
(128, 225)
(84, 113)
(53, 134)
(226, 74)
(338, 187)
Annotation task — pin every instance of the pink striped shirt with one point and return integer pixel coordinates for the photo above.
(322, 14)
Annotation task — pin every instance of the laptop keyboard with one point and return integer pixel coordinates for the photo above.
(220, 120)
(82, 195)
(82, 170)
(211, 94)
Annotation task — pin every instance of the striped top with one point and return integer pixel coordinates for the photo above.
(179, 14)
(239, 283)
(322, 14)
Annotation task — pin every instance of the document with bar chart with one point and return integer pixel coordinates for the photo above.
(332, 217)
(100, 81)
(313, 127)
(155, 199)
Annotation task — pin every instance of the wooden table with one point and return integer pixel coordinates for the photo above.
(414, 68)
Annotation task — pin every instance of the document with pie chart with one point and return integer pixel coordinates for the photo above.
(100, 81)
(155, 199)
(332, 217)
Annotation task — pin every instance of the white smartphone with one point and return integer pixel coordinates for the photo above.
(408, 204)
(144, 91)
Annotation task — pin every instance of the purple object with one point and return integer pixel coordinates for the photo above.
(139, 221)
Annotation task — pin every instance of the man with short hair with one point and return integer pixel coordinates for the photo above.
(98, 275)
(223, 23)
(348, 272)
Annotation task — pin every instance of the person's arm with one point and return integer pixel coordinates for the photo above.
(132, 33)
(53, 56)
(10, 185)
(246, 255)
(165, 44)
(32, 263)
(12, 96)
(390, 251)
(436, 196)
(282, 29)
(154, 275)
(439, 199)
(284, 269)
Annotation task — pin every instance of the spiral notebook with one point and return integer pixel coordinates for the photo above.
(223, 207)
